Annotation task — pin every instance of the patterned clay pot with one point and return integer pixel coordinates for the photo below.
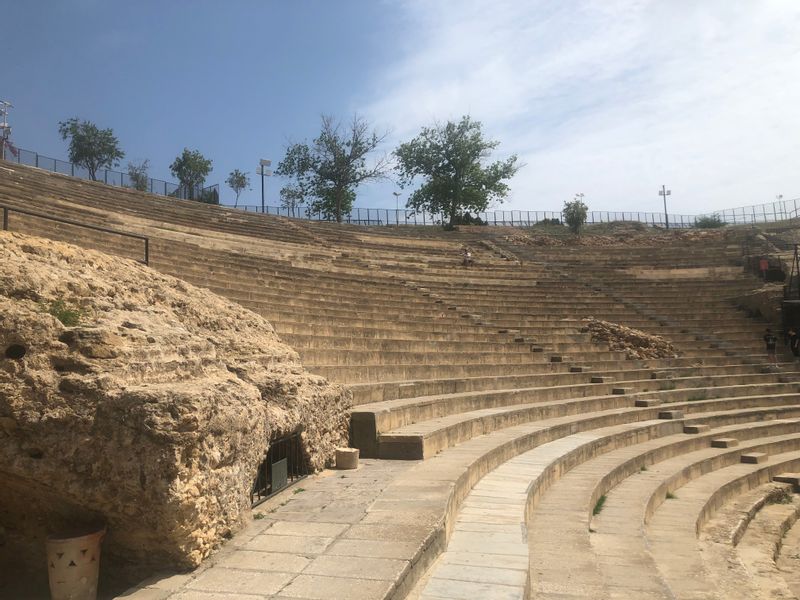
(74, 565)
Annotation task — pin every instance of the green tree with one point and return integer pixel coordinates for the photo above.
(450, 158)
(191, 168)
(137, 173)
(89, 146)
(329, 170)
(238, 182)
(575, 212)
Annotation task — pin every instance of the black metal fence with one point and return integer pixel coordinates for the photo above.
(513, 218)
(284, 464)
(208, 194)
(760, 213)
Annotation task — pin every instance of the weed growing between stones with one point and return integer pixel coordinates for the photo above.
(69, 316)
(780, 496)
(599, 505)
(671, 496)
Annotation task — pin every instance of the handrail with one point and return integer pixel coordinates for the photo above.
(145, 239)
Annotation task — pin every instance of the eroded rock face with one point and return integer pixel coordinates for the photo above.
(152, 412)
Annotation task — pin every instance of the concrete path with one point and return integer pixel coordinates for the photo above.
(314, 540)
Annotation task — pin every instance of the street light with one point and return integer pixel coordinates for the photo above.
(264, 172)
(5, 128)
(665, 192)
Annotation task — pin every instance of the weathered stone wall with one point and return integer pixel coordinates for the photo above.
(151, 413)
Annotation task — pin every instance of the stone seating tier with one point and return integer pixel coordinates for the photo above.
(472, 367)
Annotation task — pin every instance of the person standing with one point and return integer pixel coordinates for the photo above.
(794, 343)
(771, 341)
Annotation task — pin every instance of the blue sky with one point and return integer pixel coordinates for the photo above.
(609, 98)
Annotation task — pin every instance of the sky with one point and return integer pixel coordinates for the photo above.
(608, 98)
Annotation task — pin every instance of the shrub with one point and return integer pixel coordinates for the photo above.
(466, 218)
(137, 173)
(552, 221)
(709, 222)
(68, 316)
(575, 215)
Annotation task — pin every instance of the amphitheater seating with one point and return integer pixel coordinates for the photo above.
(488, 377)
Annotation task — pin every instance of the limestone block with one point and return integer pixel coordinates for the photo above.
(793, 478)
(727, 442)
(646, 402)
(696, 428)
(347, 458)
(670, 414)
(754, 458)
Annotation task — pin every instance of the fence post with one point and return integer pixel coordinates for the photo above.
(37, 159)
(5, 218)
(147, 251)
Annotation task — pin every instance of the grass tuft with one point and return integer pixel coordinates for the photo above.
(599, 505)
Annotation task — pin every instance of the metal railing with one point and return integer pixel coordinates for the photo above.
(761, 213)
(208, 194)
(284, 464)
(9, 209)
(513, 218)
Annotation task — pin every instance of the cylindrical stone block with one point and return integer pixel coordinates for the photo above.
(347, 458)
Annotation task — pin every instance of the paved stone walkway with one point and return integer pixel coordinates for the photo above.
(487, 556)
(313, 541)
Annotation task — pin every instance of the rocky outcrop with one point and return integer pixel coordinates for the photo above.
(635, 343)
(764, 302)
(150, 408)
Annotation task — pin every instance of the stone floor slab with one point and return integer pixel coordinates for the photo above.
(239, 581)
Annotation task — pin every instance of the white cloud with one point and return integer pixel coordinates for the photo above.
(612, 98)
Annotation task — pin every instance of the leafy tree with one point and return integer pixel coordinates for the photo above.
(329, 170)
(191, 168)
(291, 198)
(137, 173)
(238, 182)
(449, 157)
(89, 146)
(575, 214)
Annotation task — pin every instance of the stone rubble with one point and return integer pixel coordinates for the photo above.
(635, 343)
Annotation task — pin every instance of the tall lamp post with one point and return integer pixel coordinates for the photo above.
(5, 128)
(264, 172)
(665, 192)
